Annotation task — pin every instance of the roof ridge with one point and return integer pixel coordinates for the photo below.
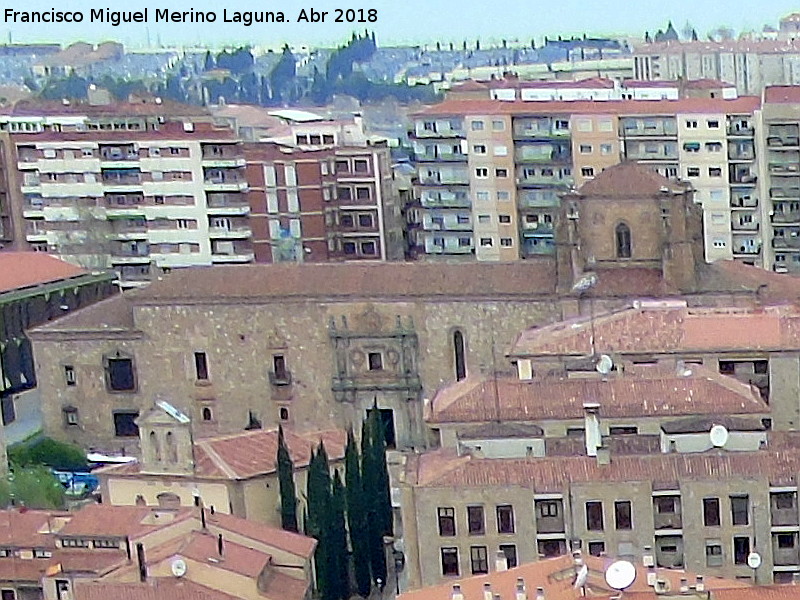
(217, 460)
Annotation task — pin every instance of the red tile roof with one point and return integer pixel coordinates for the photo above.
(19, 569)
(629, 180)
(132, 521)
(154, 589)
(665, 330)
(293, 543)
(147, 107)
(740, 105)
(26, 269)
(761, 592)
(168, 131)
(652, 394)
(29, 528)
(202, 547)
(782, 94)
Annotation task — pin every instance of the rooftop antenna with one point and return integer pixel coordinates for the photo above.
(719, 436)
(604, 365)
(620, 574)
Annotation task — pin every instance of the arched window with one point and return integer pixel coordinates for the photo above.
(155, 451)
(172, 448)
(458, 355)
(206, 414)
(623, 234)
(168, 500)
(284, 413)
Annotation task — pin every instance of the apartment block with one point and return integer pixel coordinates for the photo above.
(334, 204)
(465, 193)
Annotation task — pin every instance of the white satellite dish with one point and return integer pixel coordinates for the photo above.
(719, 436)
(604, 365)
(620, 574)
(754, 560)
(583, 575)
(178, 567)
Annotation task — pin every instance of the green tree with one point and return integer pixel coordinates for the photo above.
(338, 555)
(34, 487)
(286, 483)
(383, 500)
(370, 481)
(319, 520)
(357, 517)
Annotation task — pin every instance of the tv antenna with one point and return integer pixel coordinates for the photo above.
(604, 365)
(719, 436)
(178, 567)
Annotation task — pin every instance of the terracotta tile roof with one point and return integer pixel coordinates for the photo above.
(26, 269)
(632, 281)
(202, 547)
(441, 469)
(133, 521)
(19, 569)
(740, 105)
(39, 107)
(29, 528)
(629, 180)
(653, 395)
(761, 592)
(86, 561)
(283, 587)
(293, 543)
(168, 131)
(110, 314)
(557, 575)
(154, 589)
(665, 330)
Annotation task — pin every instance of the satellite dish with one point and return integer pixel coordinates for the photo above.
(754, 560)
(604, 365)
(583, 575)
(178, 567)
(620, 574)
(718, 435)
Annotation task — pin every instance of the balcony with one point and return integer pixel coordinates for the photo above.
(222, 155)
(438, 129)
(741, 152)
(784, 192)
(119, 153)
(790, 141)
(122, 177)
(745, 226)
(744, 203)
(439, 156)
(550, 180)
(280, 379)
(444, 179)
(740, 128)
(537, 228)
(227, 204)
(237, 257)
(543, 129)
(647, 128)
(538, 246)
(543, 154)
(225, 184)
(789, 216)
(784, 168)
(230, 233)
(786, 242)
(443, 199)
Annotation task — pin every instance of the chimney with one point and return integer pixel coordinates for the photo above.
(539, 593)
(220, 545)
(487, 591)
(594, 440)
(500, 561)
(203, 517)
(128, 547)
(520, 591)
(142, 564)
(648, 560)
(700, 585)
(457, 595)
(684, 585)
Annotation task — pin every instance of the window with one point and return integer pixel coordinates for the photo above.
(711, 512)
(606, 149)
(482, 173)
(120, 375)
(365, 220)
(713, 124)
(447, 521)
(363, 193)
(70, 415)
(462, 219)
(666, 505)
(503, 196)
(623, 430)
(475, 523)
(486, 242)
(505, 519)
(464, 242)
(597, 548)
(741, 550)
(482, 196)
(714, 172)
(375, 360)
(459, 357)
(368, 248)
(477, 125)
(349, 247)
(283, 413)
(125, 423)
(479, 559)
(510, 550)
(360, 166)
(41, 553)
(739, 510)
(691, 124)
(201, 366)
(500, 150)
(484, 218)
(623, 235)
(594, 516)
(719, 243)
(279, 369)
(501, 172)
(69, 374)
(587, 171)
(547, 508)
(344, 193)
(786, 540)
(506, 242)
(450, 558)
(505, 218)
(622, 514)
(693, 172)
(714, 146)
(479, 149)
(584, 125)
(207, 415)
(713, 554)
(784, 500)
(585, 148)
(346, 221)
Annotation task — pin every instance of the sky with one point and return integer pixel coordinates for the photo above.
(400, 21)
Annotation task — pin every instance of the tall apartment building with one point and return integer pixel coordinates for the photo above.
(490, 172)
(329, 204)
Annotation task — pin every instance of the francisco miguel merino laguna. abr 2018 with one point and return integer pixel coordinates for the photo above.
(162, 15)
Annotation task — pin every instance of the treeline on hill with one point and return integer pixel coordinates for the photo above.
(236, 77)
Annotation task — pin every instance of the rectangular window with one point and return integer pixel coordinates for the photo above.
(693, 172)
(375, 360)
(585, 148)
(505, 218)
(711, 512)
(594, 516)
(597, 548)
(505, 519)
(361, 166)
(714, 172)
(475, 521)
(665, 505)
(70, 415)
(501, 172)
(447, 521)
(279, 367)
(713, 124)
(784, 500)
(741, 550)
(125, 423)
(365, 220)
(344, 193)
(622, 514)
(713, 554)
(548, 508)
(606, 149)
(477, 125)
(481, 173)
(479, 149)
(500, 151)
(503, 196)
(69, 374)
(484, 218)
(786, 540)
(479, 559)
(119, 375)
(368, 248)
(482, 196)
(587, 171)
(201, 366)
(450, 562)
(740, 510)
(349, 247)
(498, 125)
(623, 430)
(506, 242)
(486, 242)
(510, 550)
(363, 193)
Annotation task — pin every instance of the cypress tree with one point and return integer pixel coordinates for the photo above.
(338, 541)
(371, 481)
(317, 503)
(357, 517)
(323, 518)
(286, 484)
(383, 501)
